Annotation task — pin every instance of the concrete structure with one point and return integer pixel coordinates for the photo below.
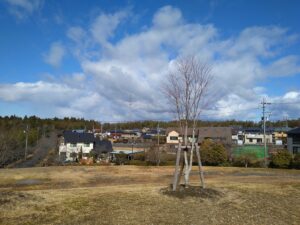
(293, 140)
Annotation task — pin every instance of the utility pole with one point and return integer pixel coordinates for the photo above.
(264, 103)
(26, 141)
(286, 122)
(158, 155)
(37, 135)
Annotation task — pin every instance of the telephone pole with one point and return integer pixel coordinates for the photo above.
(26, 141)
(264, 103)
(158, 155)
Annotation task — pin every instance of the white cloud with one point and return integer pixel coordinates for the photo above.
(123, 79)
(285, 66)
(55, 55)
(167, 17)
(23, 8)
(105, 24)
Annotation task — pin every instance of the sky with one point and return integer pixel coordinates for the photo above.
(107, 60)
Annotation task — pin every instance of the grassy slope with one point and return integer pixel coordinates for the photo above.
(131, 195)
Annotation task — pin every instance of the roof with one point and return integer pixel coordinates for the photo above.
(294, 131)
(102, 146)
(75, 137)
(205, 131)
(178, 130)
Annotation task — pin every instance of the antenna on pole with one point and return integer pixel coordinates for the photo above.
(264, 103)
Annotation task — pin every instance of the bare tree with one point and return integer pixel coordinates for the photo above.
(186, 90)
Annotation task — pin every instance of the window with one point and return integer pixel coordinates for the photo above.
(296, 150)
(296, 140)
(259, 140)
(72, 145)
(173, 138)
(250, 140)
(86, 144)
(73, 155)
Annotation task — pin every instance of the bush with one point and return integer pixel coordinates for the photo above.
(296, 161)
(139, 156)
(246, 159)
(213, 153)
(281, 159)
(121, 158)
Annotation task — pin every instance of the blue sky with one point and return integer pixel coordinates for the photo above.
(105, 60)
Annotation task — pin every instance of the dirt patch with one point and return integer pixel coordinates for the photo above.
(192, 191)
(10, 197)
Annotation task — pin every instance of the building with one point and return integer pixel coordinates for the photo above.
(218, 134)
(293, 140)
(279, 135)
(72, 144)
(257, 138)
(75, 143)
(173, 137)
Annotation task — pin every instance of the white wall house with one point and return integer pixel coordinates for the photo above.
(254, 139)
(173, 137)
(75, 143)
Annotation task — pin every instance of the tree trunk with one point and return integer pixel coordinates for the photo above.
(175, 179)
(186, 170)
(200, 166)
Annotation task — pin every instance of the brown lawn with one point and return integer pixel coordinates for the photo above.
(133, 195)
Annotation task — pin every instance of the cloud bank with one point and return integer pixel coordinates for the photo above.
(121, 77)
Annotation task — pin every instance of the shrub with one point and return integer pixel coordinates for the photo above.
(296, 161)
(213, 153)
(139, 156)
(281, 159)
(246, 159)
(121, 158)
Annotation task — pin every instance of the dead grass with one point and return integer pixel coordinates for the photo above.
(132, 195)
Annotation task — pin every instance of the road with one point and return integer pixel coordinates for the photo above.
(41, 150)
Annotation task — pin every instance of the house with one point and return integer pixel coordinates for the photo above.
(279, 135)
(73, 144)
(293, 140)
(255, 136)
(219, 134)
(237, 136)
(101, 149)
(173, 137)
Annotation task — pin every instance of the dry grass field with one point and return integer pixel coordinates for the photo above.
(133, 195)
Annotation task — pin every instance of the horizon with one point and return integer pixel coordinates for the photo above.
(106, 62)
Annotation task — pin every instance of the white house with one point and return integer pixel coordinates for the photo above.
(173, 137)
(75, 143)
(251, 138)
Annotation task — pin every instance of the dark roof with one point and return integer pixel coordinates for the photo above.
(102, 146)
(75, 137)
(294, 131)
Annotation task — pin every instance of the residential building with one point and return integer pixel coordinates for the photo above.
(75, 143)
(219, 134)
(279, 135)
(257, 138)
(72, 144)
(293, 140)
